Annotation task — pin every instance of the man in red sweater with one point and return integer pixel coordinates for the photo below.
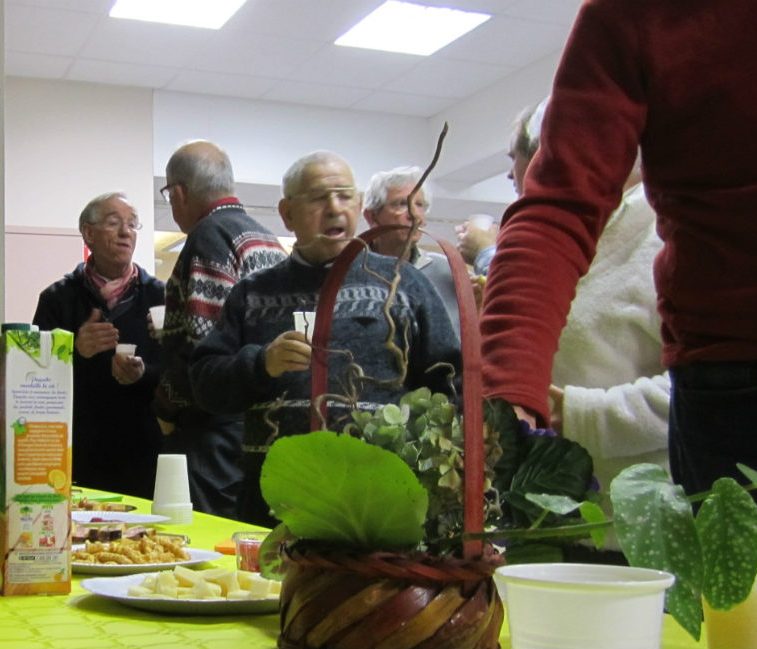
(680, 80)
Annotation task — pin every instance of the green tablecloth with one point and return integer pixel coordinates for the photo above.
(84, 621)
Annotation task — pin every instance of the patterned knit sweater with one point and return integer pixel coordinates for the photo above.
(225, 246)
(228, 367)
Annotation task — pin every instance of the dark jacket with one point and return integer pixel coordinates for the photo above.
(116, 438)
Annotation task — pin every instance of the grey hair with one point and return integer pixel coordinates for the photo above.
(206, 171)
(527, 129)
(291, 183)
(91, 214)
(382, 181)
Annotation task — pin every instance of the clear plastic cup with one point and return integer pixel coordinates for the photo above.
(126, 349)
(247, 549)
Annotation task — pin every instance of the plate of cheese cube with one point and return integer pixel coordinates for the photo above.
(184, 591)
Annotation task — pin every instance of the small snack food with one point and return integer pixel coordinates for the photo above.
(148, 549)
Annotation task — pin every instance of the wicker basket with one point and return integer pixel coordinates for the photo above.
(335, 600)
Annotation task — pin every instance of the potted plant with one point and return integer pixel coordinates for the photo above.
(372, 529)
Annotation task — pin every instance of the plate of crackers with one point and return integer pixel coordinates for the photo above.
(126, 556)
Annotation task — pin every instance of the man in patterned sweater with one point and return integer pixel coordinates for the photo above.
(254, 360)
(223, 245)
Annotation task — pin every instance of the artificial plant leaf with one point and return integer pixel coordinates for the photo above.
(655, 528)
(727, 526)
(553, 465)
(750, 473)
(499, 417)
(269, 556)
(556, 504)
(337, 488)
(592, 513)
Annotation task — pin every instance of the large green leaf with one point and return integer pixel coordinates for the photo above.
(727, 526)
(342, 490)
(655, 528)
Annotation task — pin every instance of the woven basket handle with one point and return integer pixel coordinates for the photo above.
(471, 355)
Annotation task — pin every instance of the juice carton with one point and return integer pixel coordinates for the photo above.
(36, 389)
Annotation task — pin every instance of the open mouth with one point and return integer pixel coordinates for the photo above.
(335, 233)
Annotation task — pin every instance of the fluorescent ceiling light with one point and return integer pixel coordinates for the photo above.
(410, 28)
(209, 14)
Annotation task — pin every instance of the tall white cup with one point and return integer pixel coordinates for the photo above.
(482, 221)
(157, 314)
(171, 496)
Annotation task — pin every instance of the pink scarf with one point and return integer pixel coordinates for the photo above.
(111, 290)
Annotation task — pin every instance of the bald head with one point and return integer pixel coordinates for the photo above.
(203, 169)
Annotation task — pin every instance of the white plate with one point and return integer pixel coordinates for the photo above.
(107, 518)
(116, 588)
(195, 556)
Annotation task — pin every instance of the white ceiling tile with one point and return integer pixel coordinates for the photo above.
(445, 78)
(353, 66)
(230, 85)
(252, 53)
(509, 41)
(562, 12)
(134, 41)
(122, 74)
(43, 66)
(101, 7)
(403, 104)
(317, 94)
(47, 31)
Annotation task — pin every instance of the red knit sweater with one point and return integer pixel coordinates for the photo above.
(678, 77)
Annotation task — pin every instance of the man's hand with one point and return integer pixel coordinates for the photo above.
(289, 352)
(95, 336)
(525, 415)
(127, 369)
(166, 427)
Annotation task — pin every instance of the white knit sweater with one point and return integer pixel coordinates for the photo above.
(616, 389)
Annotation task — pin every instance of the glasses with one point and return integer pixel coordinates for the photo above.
(165, 192)
(344, 196)
(399, 206)
(114, 224)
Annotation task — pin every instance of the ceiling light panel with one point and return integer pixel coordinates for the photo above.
(208, 14)
(410, 28)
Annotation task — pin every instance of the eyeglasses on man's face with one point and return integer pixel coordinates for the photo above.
(114, 224)
(320, 197)
(399, 206)
(165, 192)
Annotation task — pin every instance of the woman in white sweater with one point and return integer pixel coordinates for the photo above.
(610, 391)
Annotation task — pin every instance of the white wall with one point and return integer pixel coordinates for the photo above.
(67, 142)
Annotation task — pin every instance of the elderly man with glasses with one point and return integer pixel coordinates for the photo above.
(256, 361)
(224, 244)
(105, 301)
(385, 203)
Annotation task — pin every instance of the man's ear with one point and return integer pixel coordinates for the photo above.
(86, 234)
(285, 211)
(370, 217)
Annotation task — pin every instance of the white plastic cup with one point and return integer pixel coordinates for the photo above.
(583, 606)
(481, 221)
(157, 314)
(171, 495)
(126, 349)
(304, 322)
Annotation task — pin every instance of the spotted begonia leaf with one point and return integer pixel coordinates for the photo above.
(655, 527)
(727, 526)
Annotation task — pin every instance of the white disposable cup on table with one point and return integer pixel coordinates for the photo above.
(583, 606)
(157, 315)
(171, 495)
(126, 349)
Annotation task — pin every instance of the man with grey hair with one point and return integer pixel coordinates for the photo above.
(385, 203)
(256, 360)
(105, 301)
(224, 244)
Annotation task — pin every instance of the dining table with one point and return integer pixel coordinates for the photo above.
(82, 620)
